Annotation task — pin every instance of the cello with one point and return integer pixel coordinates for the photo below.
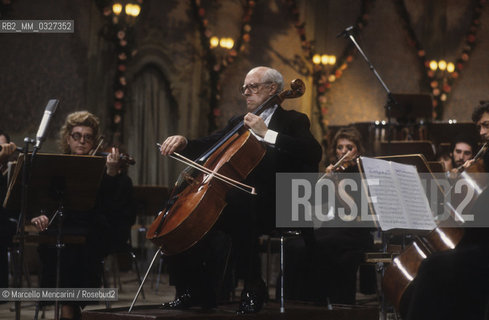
(198, 196)
(400, 274)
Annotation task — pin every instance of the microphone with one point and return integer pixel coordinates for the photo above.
(48, 113)
(345, 32)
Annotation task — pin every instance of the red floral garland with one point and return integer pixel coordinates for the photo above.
(322, 78)
(215, 65)
(441, 87)
(122, 35)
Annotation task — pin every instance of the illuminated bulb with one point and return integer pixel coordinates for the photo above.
(450, 121)
(117, 8)
(442, 65)
(214, 41)
(230, 43)
(316, 59)
(450, 67)
(331, 78)
(128, 9)
(132, 9)
(377, 122)
(324, 59)
(332, 60)
(136, 9)
(383, 122)
(433, 65)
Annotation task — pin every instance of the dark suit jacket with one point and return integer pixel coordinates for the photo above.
(295, 150)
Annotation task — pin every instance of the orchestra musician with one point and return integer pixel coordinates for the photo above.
(81, 264)
(7, 222)
(461, 150)
(347, 146)
(454, 284)
(290, 147)
(326, 272)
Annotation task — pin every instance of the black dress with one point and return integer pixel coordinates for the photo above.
(101, 229)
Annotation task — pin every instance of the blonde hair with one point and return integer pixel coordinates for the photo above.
(79, 118)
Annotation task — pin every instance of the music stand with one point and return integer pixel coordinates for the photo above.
(405, 147)
(150, 199)
(436, 166)
(417, 160)
(57, 182)
(76, 177)
(412, 106)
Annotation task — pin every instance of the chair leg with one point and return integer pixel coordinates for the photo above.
(133, 257)
(36, 313)
(104, 283)
(160, 265)
(282, 299)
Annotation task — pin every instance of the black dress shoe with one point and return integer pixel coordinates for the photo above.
(182, 302)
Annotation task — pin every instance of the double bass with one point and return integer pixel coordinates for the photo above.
(399, 275)
(198, 196)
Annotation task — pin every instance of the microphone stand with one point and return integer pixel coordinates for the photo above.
(26, 167)
(21, 221)
(348, 33)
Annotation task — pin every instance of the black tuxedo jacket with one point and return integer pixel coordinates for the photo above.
(295, 150)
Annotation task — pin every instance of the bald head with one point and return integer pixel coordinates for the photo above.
(261, 83)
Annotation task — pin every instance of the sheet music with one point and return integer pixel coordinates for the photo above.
(399, 200)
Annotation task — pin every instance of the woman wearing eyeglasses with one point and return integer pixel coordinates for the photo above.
(103, 228)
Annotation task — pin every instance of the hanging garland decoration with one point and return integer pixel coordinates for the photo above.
(441, 86)
(322, 77)
(119, 29)
(217, 65)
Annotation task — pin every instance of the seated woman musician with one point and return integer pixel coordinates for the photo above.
(327, 270)
(346, 147)
(81, 265)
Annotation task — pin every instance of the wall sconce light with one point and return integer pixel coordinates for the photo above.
(442, 65)
(226, 43)
(130, 9)
(324, 59)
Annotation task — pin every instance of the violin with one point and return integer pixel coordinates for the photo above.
(199, 194)
(342, 165)
(125, 159)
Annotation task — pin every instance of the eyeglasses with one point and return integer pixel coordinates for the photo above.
(254, 87)
(77, 136)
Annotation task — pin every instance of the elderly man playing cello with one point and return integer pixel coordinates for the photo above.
(290, 147)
